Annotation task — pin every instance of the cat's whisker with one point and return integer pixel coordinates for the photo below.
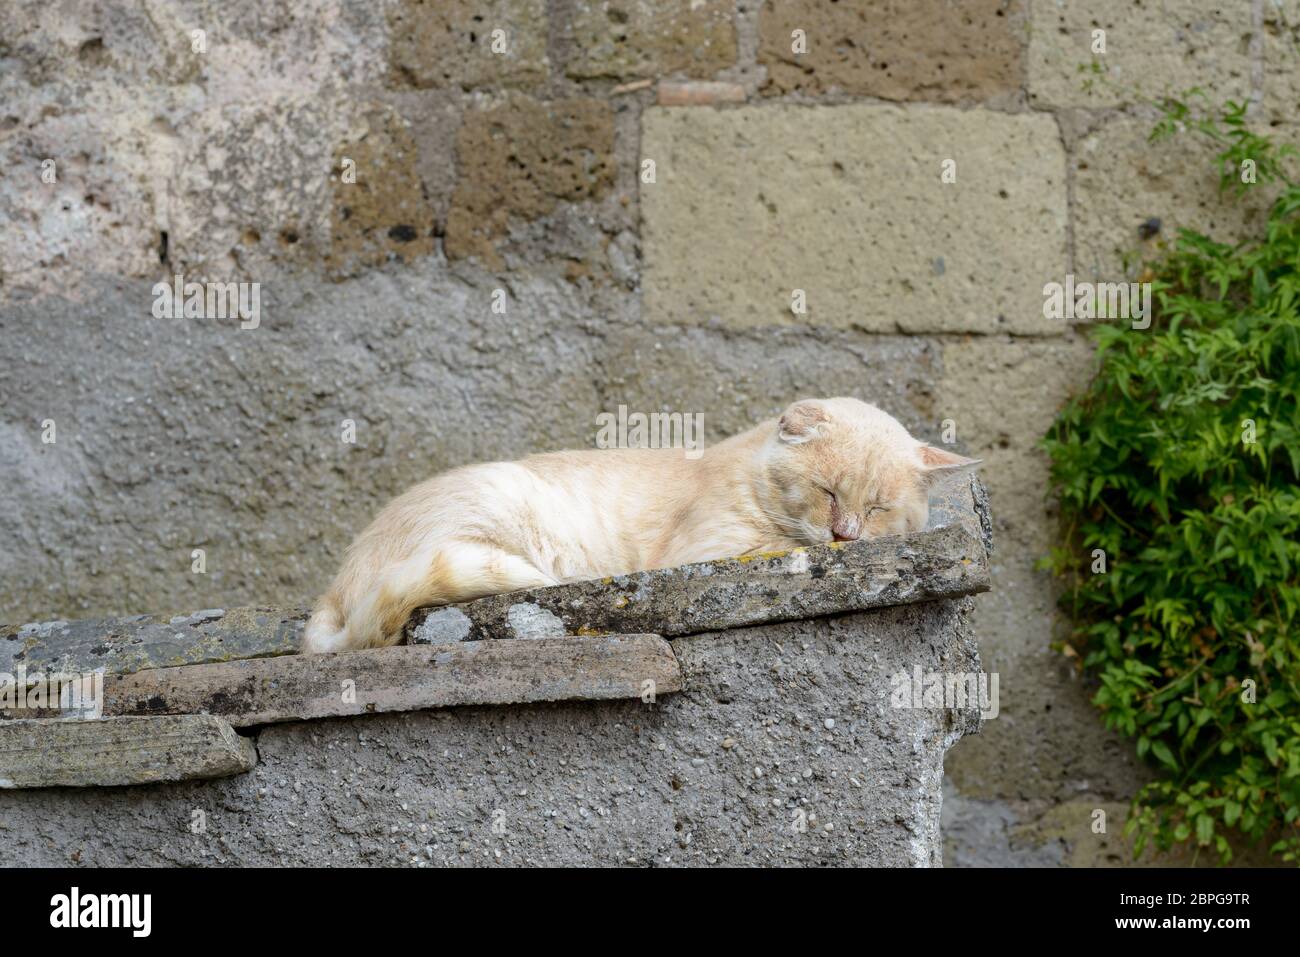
(800, 530)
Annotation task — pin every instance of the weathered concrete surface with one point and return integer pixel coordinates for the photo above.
(299, 687)
(118, 751)
(947, 560)
(119, 645)
(196, 434)
(1152, 50)
(773, 721)
(846, 203)
(895, 49)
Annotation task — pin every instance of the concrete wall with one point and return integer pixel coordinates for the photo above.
(784, 749)
(519, 172)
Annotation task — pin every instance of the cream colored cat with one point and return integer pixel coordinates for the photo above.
(827, 470)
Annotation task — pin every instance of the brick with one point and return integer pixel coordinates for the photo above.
(520, 158)
(635, 38)
(118, 751)
(448, 43)
(699, 94)
(846, 204)
(895, 49)
(384, 211)
(1152, 50)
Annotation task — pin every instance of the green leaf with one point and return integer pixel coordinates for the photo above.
(1163, 754)
(1231, 811)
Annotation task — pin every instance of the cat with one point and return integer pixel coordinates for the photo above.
(827, 470)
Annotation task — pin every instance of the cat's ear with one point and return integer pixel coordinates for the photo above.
(801, 422)
(938, 463)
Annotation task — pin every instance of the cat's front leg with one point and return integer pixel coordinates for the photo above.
(772, 546)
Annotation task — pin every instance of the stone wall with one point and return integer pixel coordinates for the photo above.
(387, 178)
(779, 725)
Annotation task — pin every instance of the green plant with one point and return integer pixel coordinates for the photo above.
(1181, 462)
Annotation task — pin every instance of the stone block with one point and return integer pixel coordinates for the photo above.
(138, 642)
(1280, 99)
(117, 751)
(935, 50)
(519, 159)
(380, 208)
(75, 195)
(450, 43)
(847, 204)
(1122, 181)
(249, 194)
(1151, 51)
(1002, 394)
(618, 39)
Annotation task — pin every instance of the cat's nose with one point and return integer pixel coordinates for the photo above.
(843, 536)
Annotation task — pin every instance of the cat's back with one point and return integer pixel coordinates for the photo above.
(596, 496)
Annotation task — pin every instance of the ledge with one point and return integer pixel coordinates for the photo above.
(301, 687)
(137, 642)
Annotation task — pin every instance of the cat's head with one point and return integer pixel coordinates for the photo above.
(840, 470)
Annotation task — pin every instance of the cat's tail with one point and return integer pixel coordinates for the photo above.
(324, 631)
(374, 615)
(371, 610)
